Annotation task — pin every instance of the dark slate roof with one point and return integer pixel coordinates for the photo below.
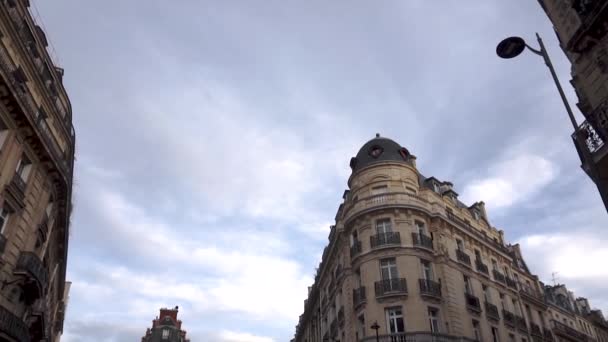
(390, 151)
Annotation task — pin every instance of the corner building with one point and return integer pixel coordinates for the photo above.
(406, 254)
(36, 167)
(166, 328)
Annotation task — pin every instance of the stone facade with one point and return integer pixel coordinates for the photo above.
(166, 328)
(406, 254)
(36, 166)
(581, 27)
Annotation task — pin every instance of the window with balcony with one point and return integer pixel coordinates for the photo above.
(495, 335)
(494, 265)
(388, 268)
(477, 330)
(24, 167)
(487, 296)
(460, 245)
(434, 319)
(360, 326)
(384, 226)
(468, 287)
(394, 320)
(427, 270)
(420, 228)
(4, 215)
(502, 301)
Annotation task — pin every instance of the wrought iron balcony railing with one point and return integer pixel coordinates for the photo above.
(463, 257)
(467, 226)
(13, 326)
(384, 239)
(547, 335)
(32, 267)
(473, 303)
(355, 249)
(520, 322)
(492, 311)
(508, 317)
(564, 330)
(535, 330)
(511, 283)
(429, 288)
(359, 296)
(386, 287)
(417, 337)
(421, 240)
(499, 277)
(481, 267)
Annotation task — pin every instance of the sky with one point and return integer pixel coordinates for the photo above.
(214, 139)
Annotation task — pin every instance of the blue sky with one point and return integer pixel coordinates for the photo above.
(213, 141)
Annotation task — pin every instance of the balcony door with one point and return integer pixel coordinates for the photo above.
(383, 226)
(394, 321)
(388, 269)
(427, 270)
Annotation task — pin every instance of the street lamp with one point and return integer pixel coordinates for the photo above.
(513, 46)
(375, 326)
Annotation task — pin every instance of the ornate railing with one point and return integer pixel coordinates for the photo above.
(532, 293)
(359, 296)
(563, 329)
(508, 317)
(387, 287)
(472, 302)
(481, 267)
(511, 283)
(421, 240)
(535, 330)
(463, 257)
(492, 311)
(383, 239)
(30, 265)
(498, 276)
(520, 323)
(417, 337)
(429, 288)
(355, 249)
(13, 326)
(547, 335)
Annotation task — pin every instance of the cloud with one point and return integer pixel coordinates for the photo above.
(511, 181)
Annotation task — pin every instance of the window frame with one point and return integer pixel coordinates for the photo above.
(390, 267)
(392, 316)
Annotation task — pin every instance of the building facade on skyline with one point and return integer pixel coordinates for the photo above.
(36, 166)
(407, 257)
(166, 328)
(581, 27)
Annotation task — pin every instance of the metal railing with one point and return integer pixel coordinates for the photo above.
(547, 335)
(355, 249)
(387, 287)
(429, 288)
(511, 283)
(359, 296)
(13, 326)
(472, 302)
(417, 337)
(535, 330)
(492, 311)
(421, 240)
(531, 292)
(520, 323)
(498, 276)
(563, 329)
(481, 267)
(383, 239)
(508, 317)
(463, 257)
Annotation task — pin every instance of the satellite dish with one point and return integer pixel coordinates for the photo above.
(510, 47)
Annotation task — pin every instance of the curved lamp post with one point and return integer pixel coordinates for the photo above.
(513, 46)
(375, 326)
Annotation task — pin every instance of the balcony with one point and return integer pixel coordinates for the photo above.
(472, 303)
(385, 239)
(475, 232)
(509, 318)
(532, 294)
(568, 332)
(355, 249)
(359, 296)
(15, 192)
(36, 276)
(429, 288)
(463, 257)
(390, 287)
(511, 283)
(423, 241)
(13, 326)
(547, 335)
(521, 325)
(481, 267)
(492, 311)
(535, 330)
(417, 337)
(499, 277)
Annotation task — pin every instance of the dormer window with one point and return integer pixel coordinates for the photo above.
(165, 335)
(435, 187)
(376, 151)
(476, 214)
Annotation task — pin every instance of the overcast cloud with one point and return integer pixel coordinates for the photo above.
(213, 142)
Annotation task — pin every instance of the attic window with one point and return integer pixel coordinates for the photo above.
(376, 151)
(435, 187)
(476, 214)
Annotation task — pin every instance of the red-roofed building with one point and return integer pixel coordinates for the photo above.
(166, 328)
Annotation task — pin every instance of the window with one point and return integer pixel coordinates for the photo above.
(4, 214)
(511, 338)
(23, 168)
(459, 245)
(377, 190)
(506, 270)
(394, 320)
(494, 265)
(361, 326)
(420, 229)
(3, 133)
(435, 187)
(495, 336)
(358, 277)
(477, 255)
(477, 331)
(354, 237)
(383, 226)
(468, 288)
(434, 319)
(524, 339)
(476, 214)
(388, 268)
(502, 301)
(165, 334)
(427, 271)
(486, 294)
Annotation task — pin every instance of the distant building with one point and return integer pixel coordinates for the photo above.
(581, 28)
(166, 328)
(37, 143)
(406, 254)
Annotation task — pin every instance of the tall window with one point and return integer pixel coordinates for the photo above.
(358, 277)
(4, 214)
(506, 270)
(394, 320)
(383, 226)
(427, 271)
(420, 229)
(477, 331)
(476, 214)
(495, 336)
(494, 265)
(165, 334)
(434, 319)
(3, 133)
(468, 288)
(361, 326)
(515, 307)
(388, 268)
(511, 338)
(435, 187)
(477, 255)
(459, 245)
(354, 237)
(23, 168)
(486, 294)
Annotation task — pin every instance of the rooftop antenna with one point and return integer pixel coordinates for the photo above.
(554, 278)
